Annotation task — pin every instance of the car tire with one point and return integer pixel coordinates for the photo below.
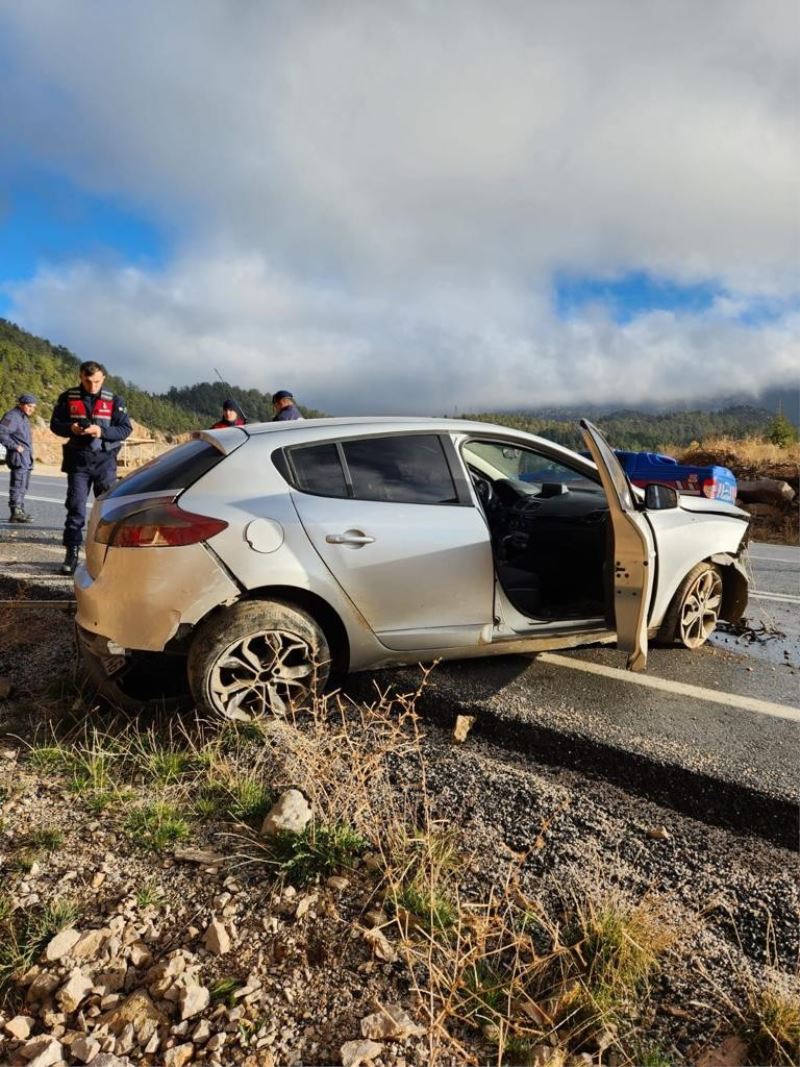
(693, 614)
(258, 658)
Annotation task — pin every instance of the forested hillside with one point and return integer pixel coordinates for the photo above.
(205, 399)
(31, 364)
(642, 430)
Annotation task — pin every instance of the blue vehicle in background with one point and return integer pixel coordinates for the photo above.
(715, 483)
(642, 468)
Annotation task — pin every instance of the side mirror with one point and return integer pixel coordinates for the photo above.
(658, 497)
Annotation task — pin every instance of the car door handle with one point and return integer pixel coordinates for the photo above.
(350, 537)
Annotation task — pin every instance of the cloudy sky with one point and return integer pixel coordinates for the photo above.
(408, 206)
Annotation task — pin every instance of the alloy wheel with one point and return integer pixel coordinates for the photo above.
(700, 609)
(263, 673)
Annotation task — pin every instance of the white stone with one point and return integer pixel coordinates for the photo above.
(76, 987)
(179, 1056)
(85, 1049)
(462, 727)
(89, 944)
(20, 1027)
(391, 1023)
(193, 999)
(61, 944)
(217, 939)
(359, 1053)
(201, 1032)
(42, 1051)
(291, 813)
(380, 945)
(140, 954)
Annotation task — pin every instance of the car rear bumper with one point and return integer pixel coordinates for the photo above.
(142, 595)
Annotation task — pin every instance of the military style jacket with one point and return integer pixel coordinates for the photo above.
(15, 430)
(104, 409)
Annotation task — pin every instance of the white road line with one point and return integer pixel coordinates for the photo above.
(783, 598)
(651, 681)
(45, 499)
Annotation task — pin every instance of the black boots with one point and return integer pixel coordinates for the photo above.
(70, 560)
(18, 515)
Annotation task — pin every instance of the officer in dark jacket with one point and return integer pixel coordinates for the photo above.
(15, 434)
(231, 416)
(284, 406)
(95, 423)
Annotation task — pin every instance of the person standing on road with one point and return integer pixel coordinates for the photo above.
(231, 416)
(15, 434)
(284, 406)
(95, 422)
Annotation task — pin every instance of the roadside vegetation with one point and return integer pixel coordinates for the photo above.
(382, 895)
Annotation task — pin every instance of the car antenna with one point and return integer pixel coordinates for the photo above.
(230, 391)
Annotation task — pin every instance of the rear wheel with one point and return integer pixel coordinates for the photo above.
(693, 614)
(258, 658)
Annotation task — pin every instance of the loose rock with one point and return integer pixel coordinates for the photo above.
(358, 1053)
(291, 813)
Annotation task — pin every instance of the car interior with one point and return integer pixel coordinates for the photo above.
(550, 531)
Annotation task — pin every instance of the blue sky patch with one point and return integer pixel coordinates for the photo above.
(632, 294)
(46, 219)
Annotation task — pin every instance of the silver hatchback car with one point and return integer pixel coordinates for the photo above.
(257, 561)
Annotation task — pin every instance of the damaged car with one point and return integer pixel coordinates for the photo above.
(256, 563)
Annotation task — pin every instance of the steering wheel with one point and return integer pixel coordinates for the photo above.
(483, 487)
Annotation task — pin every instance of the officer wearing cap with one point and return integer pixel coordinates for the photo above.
(284, 406)
(231, 416)
(95, 422)
(15, 434)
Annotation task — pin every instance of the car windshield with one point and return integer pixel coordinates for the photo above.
(527, 469)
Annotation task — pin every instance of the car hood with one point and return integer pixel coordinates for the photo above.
(718, 507)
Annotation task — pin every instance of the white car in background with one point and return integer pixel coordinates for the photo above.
(259, 560)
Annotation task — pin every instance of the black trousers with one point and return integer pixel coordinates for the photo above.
(99, 475)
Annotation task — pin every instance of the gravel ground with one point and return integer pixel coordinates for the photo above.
(307, 966)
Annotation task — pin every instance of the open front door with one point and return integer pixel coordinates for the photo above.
(634, 555)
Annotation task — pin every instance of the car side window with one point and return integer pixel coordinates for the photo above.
(318, 469)
(500, 460)
(401, 470)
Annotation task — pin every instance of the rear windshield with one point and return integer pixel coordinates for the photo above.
(175, 470)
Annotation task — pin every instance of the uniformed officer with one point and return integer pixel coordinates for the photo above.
(231, 416)
(284, 406)
(15, 434)
(95, 423)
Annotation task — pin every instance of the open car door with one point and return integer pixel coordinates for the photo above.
(634, 554)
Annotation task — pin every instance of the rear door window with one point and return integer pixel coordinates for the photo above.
(318, 469)
(175, 470)
(400, 470)
(412, 469)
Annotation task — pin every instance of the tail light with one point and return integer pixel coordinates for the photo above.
(154, 523)
(710, 488)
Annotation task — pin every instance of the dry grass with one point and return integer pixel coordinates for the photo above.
(744, 453)
(498, 977)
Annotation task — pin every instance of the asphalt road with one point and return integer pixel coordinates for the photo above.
(728, 714)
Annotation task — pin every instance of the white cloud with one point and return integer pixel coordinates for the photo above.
(372, 198)
(454, 350)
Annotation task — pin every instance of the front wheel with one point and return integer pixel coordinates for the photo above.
(258, 658)
(694, 612)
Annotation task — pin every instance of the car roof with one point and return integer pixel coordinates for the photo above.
(379, 422)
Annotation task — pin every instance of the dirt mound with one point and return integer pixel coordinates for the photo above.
(752, 460)
(47, 447)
